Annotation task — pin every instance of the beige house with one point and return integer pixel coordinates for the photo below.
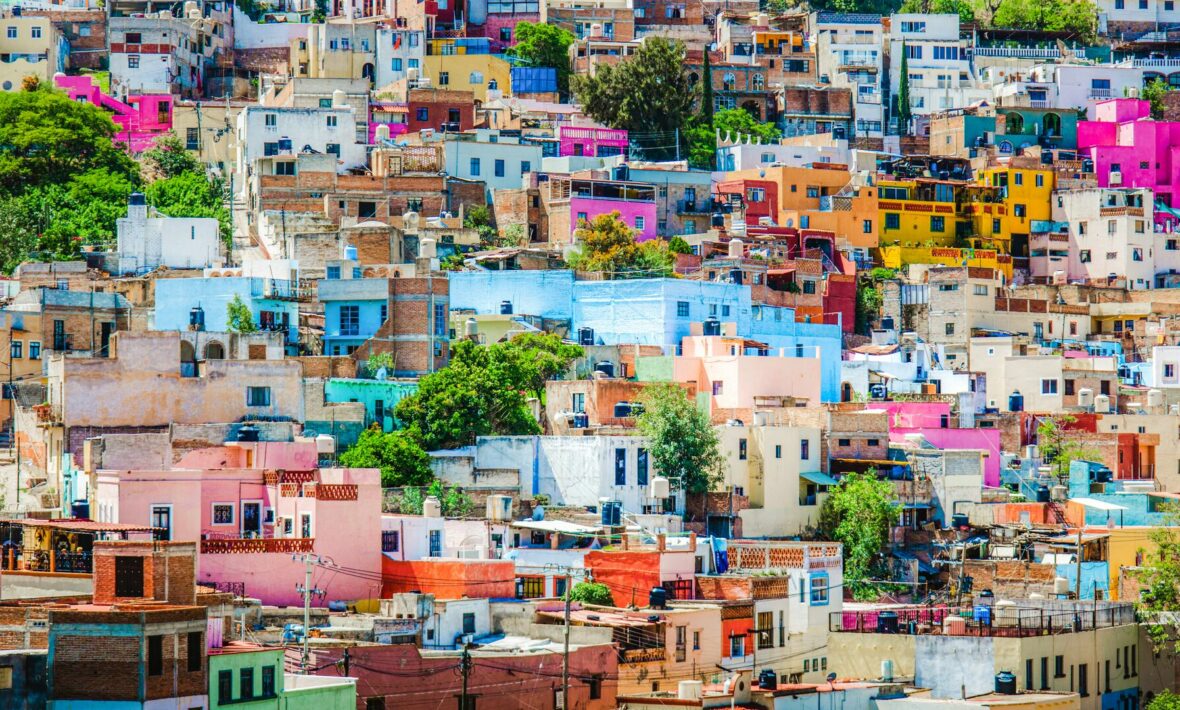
(28, 47)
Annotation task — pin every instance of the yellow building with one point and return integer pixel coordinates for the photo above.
(338, 49)
(1088, 648)
(477, 73)
(1025, 195)
(208, 129)
(29, 47)
(896, 256)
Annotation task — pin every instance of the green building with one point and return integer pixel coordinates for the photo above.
(246, 676)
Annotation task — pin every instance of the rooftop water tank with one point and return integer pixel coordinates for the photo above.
(1155, 399)
(1016, 402)
(736, 249)
(325, 444)
(431, 507)
(1086, 397)
(660, 487)
(350, 252)
(1006, 683)
(1102, 404)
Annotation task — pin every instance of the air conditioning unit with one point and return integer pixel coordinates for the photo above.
(1116, 179)
(477, 553)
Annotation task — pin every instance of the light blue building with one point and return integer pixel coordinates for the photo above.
(273, 303)
(649, 311)
(1115, 503)
(354, 310)
(380, 397)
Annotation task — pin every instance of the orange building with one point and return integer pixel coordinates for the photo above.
(448, 578)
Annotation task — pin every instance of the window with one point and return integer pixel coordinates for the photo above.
(34, 350)
(435, 541)
(640, 223)
(246, 683)
(866, 226)
(333, 272)
(819, 589)
(718, 387)
(641, 466)
(892, 220)
(765, 629)
(128, 576)
(805, 449)
(330, 121)
(498, 168)
(938, 224)
(1083, 681)
(742, 449)
(422, 114)
(996, 226)
(950, 328)
(1049, 386)
(350, 318)
(192, 139)
(682, 309)
(132, 61)
(1059, 667)
(1044, 672)
(440, 320)
(469, 623)
(1069, 384)
(475, 78)
(257, 396)
(285, 167)
(913, 51)
(808, 286)
(333, 149)
(578, 402)
(531, 587)
(980, 290)
(268, 681)
(196, 650)
(1028, 674)
(444, 78)
(390, 540)
(366, 208)
(270, 148)
(525, 166)
(813, 192)
(223, 513)
(225, 687)
(942, 52)
(737, 646)
(1084, 256)
(915, 27)
(474, 167)
(17, 349)
(620, 467)
(806, 665)
(155, 655)
(396, 64)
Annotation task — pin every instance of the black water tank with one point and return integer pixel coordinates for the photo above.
(581, 421)
(248, 432)
(717, 220)
(658, 598)
(735, 276)
(1042, 493)
(959, 520)
(887, 622)
(611, 513)
(585, 336)
(137, 199)
(606, 367)
(196, 318)
(505, 308)
(712, 327)
(1006, 683)
(768, 679)
(1103, 475)
(623, 409)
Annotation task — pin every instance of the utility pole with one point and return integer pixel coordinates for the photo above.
(1077, 584)
(307, 591)
(465, 669)
(565, 654)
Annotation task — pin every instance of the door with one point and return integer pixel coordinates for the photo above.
(107, 329)
(251, 518)
(162, 521)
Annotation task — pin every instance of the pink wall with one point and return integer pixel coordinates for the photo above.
(590, 138)
(987, 440)
(141, 120)
(627, 210)
(1123, 135)
(913, 414)
(745, 377)
(496, 21)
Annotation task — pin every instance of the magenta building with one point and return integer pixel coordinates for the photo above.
(592, 141)
(1129, 149)
(634, 202)
(141, 119)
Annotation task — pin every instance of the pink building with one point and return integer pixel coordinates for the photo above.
(1129, 149)
(500, 27)
(635, 203)
(592, 141)
(252, 505)
(387, 113)
(935, 422)
(141, 120)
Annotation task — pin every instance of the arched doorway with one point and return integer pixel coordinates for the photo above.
(1013, 123)
(214, 351)
(188, 359)
(845, 391)
(1051, 125)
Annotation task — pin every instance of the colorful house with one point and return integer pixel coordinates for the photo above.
(1131, 150)
(592, 141)
(241, 672)
(141, 119)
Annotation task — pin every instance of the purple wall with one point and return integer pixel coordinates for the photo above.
(591, 139)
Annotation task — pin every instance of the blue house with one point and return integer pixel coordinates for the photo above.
(548, 294)
(354, 310)
(274, 303)
(1116, 503)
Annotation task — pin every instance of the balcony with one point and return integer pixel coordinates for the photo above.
(1007, 622)
(45, 561)
(694, 206)
(1101, 93)
(242, 545)
(1120, 212)
(47, 415)
(1017, 52)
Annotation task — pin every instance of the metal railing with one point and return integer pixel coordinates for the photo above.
(1019, 622)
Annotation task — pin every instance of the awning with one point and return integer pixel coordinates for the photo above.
(557, 526)
(820, 479)
(918, 506)
(1095, 504)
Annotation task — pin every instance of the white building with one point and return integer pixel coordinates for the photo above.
(940, 74)
(734, 154)
(501, 162)
(849, 49)
(163, 54)
(149, 242)
(398, 51)
(1165, 367)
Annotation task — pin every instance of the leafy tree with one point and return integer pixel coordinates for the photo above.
(20, 222)
(1057, 448)
(376, 361)
(962, 8)
(1154, 92)
(1166, 700)
(46, 139)
(320, 14)
(238, 317)
(740, 121)
(647, 93)
(608, 245)
(401, 459)
(682, 442)
(707, 107)
(677, 245)
(1075, 17)
(859, 513)
(904, 109)
(168, 157)
(455, 503)
(192, 194)
(868, 304)
(1159, 580)
(595, 593)
(543, 45)
(485, 390)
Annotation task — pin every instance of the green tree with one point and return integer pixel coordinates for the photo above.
(1154, 92)
(904, 109)
(707, 107)
(543, 45)
(168, 157)
(192, 194)
(682, 442)
(1159, 583)
(647, 94)
(737, 121)
(20, 222)
(609, 246)
(238, 317)
(455, 503)
(46, 139)
(595, 593)
(1075, 17)
(525, 362)
(1058, 449)
(963, 8)
(320, 14)
(401, 459)
(677, 245)
(859, 513)
(1166, 700)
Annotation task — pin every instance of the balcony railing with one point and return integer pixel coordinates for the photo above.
(1017, 622)
(46, 561)
(282, 545)
(1101, 93)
